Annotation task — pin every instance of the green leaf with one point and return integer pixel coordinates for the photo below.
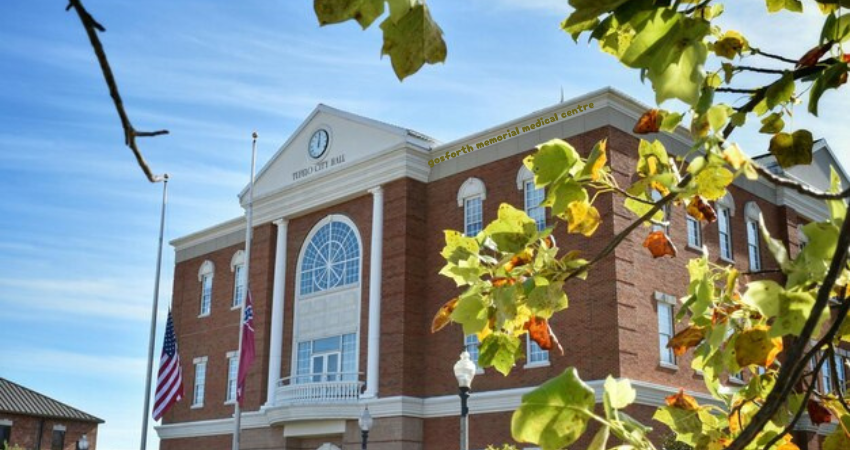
(577, 28)
(836, 29)
(685, 423)
(590, 9)
(398, 8)
(670, 121)
(718, 115)
(778, 5)
(551, 161)
(772, 124)
(465, 272)
(513, 230)
(780, 91)
(555, 414)
(600, 440)
(834, 76)
(838, 439)
(336, 11)
(837, 208)
(792, 149)
(412, 40)
(471, 312)
(560, 195)
(712, 181)
(764, 296)
(499, 350)
(458, 247)
(618, 394)
(776, 247)
(546, 298)
(794, 310)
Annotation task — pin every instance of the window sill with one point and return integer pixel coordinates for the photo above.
(725, 259)
(693, 248)
(197, 406)
(230, 402)
(668, 366)
(200, 316)
(537, 364)
(235, 307)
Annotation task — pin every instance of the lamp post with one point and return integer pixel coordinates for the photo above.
(365, 423)
(83, 443)
(464, 372)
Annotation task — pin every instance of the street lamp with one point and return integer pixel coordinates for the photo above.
(365, 423)
(464, 372)
(83, 443)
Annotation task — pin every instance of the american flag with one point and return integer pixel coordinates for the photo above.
(169, 383)
(246, 356)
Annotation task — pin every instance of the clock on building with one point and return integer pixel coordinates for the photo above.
(318, 143)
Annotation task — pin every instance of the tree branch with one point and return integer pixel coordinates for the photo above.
(799, 413)
(800, 187)
(130, 134)
(758, 69)
(736, 90)
(772, 56)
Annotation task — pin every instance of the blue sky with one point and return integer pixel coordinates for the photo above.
(79, 222)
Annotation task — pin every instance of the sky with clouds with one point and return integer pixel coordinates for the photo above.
(79, 221)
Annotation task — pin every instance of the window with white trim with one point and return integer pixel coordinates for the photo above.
(57, 441)
(232, 373)
(327, 359)
(753, 214)
(237, 266)
(840, 371)
(471, 343)
(826, 376)
(331, 259)
(471, 197)
(536, 355)
(205, 277)
(666, 327)
(5, 432)
(198, 388)
(533, 197)
(725, 210)
(694, 232)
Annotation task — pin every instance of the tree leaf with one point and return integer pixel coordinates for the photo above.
(538, 331)
(618, 394)
(513, 230)
(600, 440)
(712, 181)
(831, 78)
(755, 346)
(412, 40)
(648, 122)
(688, 338)
(471, 313)
(780, 91)
(772, 124)
(792, 149)
(701, 210)
(336, 11)
(561, 194)
(764, 296)
(733, 155)
(595, 165)
(817, 413)
(778, 5)
(458, 247)
(582, 217)
(659, 244)
(499, 350)
(551, 161)
(730, 45)
(443, 316)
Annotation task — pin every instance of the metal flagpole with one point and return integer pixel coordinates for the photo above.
(237, 414)
(144, 442)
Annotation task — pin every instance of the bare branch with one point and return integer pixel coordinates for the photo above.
(799, 413)
(130, 134)
(772, 56)
(758, 69)
(736, 90)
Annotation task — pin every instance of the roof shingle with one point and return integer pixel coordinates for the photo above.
(16, 399)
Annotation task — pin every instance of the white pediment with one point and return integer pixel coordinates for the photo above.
(352, 138)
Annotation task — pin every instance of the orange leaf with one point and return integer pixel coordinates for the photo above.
(846, 57)
(659, 244)
(700, 209)
(817, 413)
(538, 331)
(499, 282)
(682, 401)
(787, 445)
(687, 338)
(519, 259)
(441, 319)
(649, 122)
(814, 55)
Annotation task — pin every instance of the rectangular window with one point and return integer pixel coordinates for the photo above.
(724, 226)
(238, 284)
(473, 216)
(694, 232)
(206, 294)
(232, 372)
(533, 198)
(753, 246)
(200, 381)
(536, 355)
(471, 343)
(5, 435)
(327, 359)
(840, 370)
(826, 376)
(58, 441)
(665, 226)
(666, 327)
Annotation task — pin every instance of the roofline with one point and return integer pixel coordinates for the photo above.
(94, 419)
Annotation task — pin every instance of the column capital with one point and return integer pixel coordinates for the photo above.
(282, 222)
(377, 190)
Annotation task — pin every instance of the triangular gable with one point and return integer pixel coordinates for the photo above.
(352, 138)
(817, 173)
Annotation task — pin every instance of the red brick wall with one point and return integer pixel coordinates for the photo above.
(25, 432)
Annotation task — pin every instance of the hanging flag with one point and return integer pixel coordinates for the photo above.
(169, 383)
(246, 356)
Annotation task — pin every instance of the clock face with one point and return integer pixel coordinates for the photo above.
(318, 144)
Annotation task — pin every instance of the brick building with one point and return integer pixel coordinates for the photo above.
(348, 220)
(37, 422)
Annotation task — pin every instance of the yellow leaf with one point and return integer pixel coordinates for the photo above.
(582, 217)
(754, 346)
(734, 156)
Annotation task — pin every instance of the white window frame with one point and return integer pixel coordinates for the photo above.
(753, 213)
(525, 183)
(695, 237)
(840, 359)
(206, 274)
(656, 196)
(473, 356)
(199, 382)
(725, 207)
(471, 189)
(666, 301)
(531, 345)
(237, 266)
(232, 359)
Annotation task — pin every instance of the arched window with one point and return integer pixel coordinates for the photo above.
(331, 258)
(753, 214)
(205, 277)
(533, 196)
(725, 210)
(471, 196)
(237, 266)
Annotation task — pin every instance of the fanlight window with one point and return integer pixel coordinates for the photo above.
(331, 259)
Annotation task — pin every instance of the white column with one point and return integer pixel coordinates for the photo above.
(276, 340)
(375, 276)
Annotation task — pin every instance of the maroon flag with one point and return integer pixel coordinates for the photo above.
(169, 383)
(246, 355)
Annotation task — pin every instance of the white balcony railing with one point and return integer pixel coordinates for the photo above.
(319, 388)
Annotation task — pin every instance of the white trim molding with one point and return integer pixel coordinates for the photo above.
(472, 187)
(375, 279)
(278, 298)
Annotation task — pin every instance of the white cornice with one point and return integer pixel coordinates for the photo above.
(208, 234)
